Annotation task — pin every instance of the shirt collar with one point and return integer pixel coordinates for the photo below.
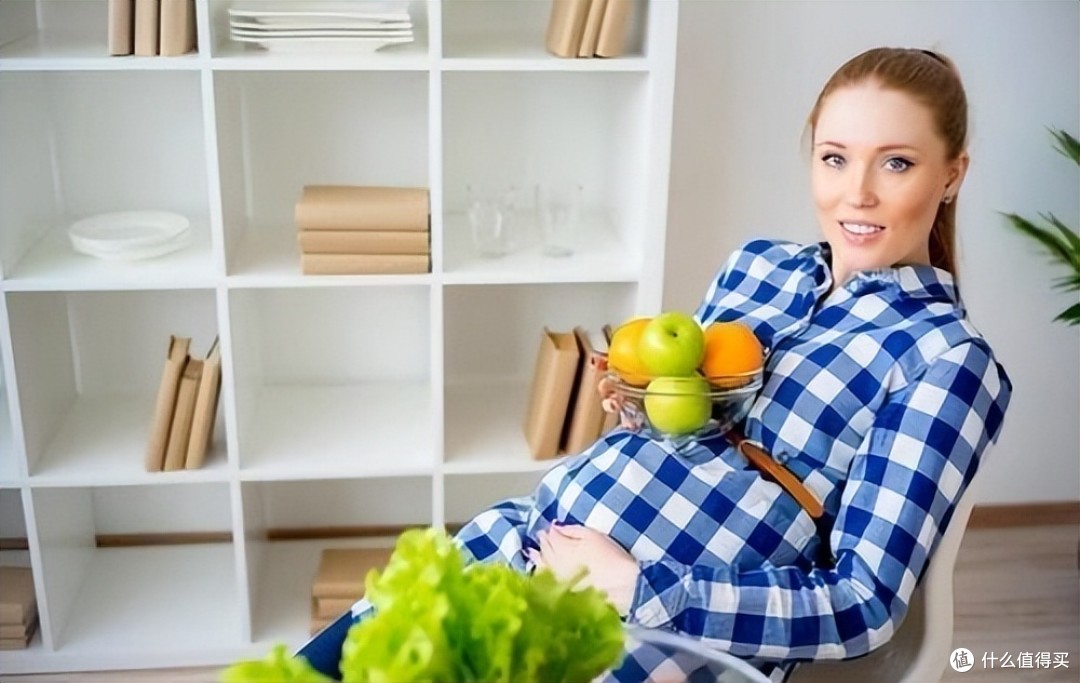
(915, 281)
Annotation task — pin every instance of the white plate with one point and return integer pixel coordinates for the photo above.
(129, 235)
(263, 35)
(341, 10)
(312, 45)
(289, 23)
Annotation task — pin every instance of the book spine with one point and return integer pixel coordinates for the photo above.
(565, 26)
(613, 28)
(180, 430)
(147, 26)
(331, 608)
(177, 27)
(205, 410)
(364, 242)
(550, 393)
(342, 207)
(591, 33)
(364, 264)
(121, 27)
(166, 402)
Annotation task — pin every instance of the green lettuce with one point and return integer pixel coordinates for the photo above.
(440, 618)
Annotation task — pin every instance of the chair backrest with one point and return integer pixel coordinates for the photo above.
(919, 650)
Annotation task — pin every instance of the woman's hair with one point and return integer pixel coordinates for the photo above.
(933, 80)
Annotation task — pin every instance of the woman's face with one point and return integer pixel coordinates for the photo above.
(879, 173)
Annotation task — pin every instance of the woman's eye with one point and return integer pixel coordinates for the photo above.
(833, 160)
(898, 164)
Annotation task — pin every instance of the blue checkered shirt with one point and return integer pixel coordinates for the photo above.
(880, 396)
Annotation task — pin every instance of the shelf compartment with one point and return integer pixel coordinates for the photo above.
(512, 31)
(96, 360)
(280, 131)
(333, 381)
(492, 335)
(10, 471)
(144, 129)
(467, 495)
(530, 129)
(230, 54)
(14, 554)
(151, 602)
(280, 572)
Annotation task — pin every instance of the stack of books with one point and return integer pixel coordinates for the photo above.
(18, 608)
(588, 28)
(565, 412)
(147, 28)
(339, 581)
(358, 230)
(186, 408)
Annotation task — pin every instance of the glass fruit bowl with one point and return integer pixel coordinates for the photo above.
(684, 408)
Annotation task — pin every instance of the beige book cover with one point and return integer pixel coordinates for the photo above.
(613, 29)
(177, 27)
(364, 241)
(180, 429)
(175, 359)
(16, 643)
(19, 631)
(552, 386)
(18, 604)
(352, 207)
(565, 26)
(204, 412)
(332, 608)
(587, 417)
(591, 33)
(342, 571)
(364, 264)
(121, 27)
(147, 27)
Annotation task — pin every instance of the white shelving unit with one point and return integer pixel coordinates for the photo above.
(373, 401)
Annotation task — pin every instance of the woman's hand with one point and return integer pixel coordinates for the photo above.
(612, 402)
(566, 549)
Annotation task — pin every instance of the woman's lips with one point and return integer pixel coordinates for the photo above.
(860, 233)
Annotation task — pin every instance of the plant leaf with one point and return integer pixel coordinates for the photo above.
(1055, 244)
(1067, 145)
(1072, 240)
(1071, 315)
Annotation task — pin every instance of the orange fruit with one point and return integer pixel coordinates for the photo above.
(731, 350)
(622, 352)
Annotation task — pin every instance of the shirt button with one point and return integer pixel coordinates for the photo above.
(782, 457)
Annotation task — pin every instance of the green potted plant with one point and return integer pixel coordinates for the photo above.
(1060, 241)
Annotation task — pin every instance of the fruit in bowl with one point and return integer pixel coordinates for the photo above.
(675, 379)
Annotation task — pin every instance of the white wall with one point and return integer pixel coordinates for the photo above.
(747, 76)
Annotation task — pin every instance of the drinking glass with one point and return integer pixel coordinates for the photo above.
(559, 208)
(491, 219)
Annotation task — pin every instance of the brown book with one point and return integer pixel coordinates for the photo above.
(364, 242)
(364, 264)
(565, 26)
(591, 33)
(587, 415)
(18, 604)
(351, 207)
(19, 631)
(342, 571)
(166, 402)
(177, 27)
(612, 39)
(147, 26)
(180, 429)
(204, 413)
(332, 608)
(317, 623)
(16, 643)
(550, 392)
(121, 27)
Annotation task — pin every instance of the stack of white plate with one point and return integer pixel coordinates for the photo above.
(320, 26)
(130, 235)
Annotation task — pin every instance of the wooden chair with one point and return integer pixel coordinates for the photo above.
(919, 650)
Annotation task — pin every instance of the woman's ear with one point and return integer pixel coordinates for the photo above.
(957, 171)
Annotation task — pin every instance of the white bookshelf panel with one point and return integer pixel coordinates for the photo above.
(146, 601)
(469, 495)
(145, 128)
(280, 131)
(12, 527)
(95, 359)
(9, 457)
(281, 571)
(514, 30)
(332, 381)
(530, 129)
(53, 29)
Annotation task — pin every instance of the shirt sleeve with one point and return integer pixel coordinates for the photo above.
(903, 486)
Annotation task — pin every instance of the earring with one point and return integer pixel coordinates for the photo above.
(946, 200)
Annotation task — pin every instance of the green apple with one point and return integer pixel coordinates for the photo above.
(671, 345)
(678, 405)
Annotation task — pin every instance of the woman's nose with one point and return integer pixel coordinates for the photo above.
(861, 191)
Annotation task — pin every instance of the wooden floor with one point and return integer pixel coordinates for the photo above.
(1017, 590)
